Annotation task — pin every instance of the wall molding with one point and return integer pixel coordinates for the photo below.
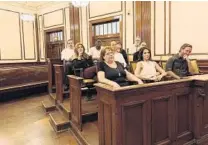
(105, 13)
(21, 57)
(25, 58)
(62, 9)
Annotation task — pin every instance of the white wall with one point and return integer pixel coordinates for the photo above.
(18, 38)
(177, 23)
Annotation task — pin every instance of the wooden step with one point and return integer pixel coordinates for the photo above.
(53, 97)
(48, 105)
(89, 110)
(59, 122)
(65, 108)
(89, 134)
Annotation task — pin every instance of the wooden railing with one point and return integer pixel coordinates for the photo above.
(172, 112)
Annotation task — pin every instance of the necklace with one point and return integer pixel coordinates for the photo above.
(119, 74)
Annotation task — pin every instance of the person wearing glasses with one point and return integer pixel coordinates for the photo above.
(113, 73)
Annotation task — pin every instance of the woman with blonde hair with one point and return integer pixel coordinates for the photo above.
(112, 72)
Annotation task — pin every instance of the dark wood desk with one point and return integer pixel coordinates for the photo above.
(171, 112)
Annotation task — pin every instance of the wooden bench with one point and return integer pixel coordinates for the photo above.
(51, 73)
(79, 106)
(172, 112)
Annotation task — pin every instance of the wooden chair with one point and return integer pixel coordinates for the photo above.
(130, 57)
(163, 64)
(195, 66)
(133, 66)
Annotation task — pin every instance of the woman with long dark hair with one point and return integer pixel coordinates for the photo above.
(147, 69)
(84, 62)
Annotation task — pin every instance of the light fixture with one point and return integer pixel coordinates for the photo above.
(78, 3)
(27, 17)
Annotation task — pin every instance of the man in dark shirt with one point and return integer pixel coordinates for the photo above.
(178, 65)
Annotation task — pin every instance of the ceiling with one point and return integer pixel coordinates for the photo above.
(34, 5)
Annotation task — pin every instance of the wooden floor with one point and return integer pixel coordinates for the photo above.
(23, 122)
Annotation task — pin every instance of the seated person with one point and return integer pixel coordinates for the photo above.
(147, 69)
(112, 72)
(179, 65)
(81, 60)
(117, 55)
(122, 51)
(94, 52)
(66, 55)
(136, 55)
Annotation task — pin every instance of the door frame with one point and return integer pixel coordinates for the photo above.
(52, 30)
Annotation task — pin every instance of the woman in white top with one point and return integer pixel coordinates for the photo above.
(147, 69)
(117, 55)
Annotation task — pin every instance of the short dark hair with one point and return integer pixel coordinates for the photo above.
(185, 45)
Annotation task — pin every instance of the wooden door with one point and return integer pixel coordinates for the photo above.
(54, 39)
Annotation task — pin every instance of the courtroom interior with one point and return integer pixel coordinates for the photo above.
(103, 73)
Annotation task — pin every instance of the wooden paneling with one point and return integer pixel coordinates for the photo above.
(173, 112)
(203, 66)
(74, 23)
(51, 73)
(162, 120)
(21, 74)
(75, 102)
(59, 71)
(140, 119)
(143, 21)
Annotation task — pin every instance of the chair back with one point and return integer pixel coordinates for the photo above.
(130, 57)
(163, 64)
(78, 72)
(133, 66)
(195, 66)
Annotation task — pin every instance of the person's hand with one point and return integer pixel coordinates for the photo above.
(115, 85)
(158, 78)
(186, 57)
(152, 78)
(140, 82)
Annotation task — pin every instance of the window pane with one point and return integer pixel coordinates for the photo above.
(61, 35)
(105, 29)
(109, 28)
(118, 27)
(114, 27)
(101, 29)
(97, 30)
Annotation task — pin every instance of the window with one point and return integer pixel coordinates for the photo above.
(56, 36)
(107, 28)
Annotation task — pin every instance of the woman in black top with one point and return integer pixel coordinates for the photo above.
(83, 61)
(111, 72)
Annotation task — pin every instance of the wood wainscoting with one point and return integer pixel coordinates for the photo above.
(16, 77)
(203, 66)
